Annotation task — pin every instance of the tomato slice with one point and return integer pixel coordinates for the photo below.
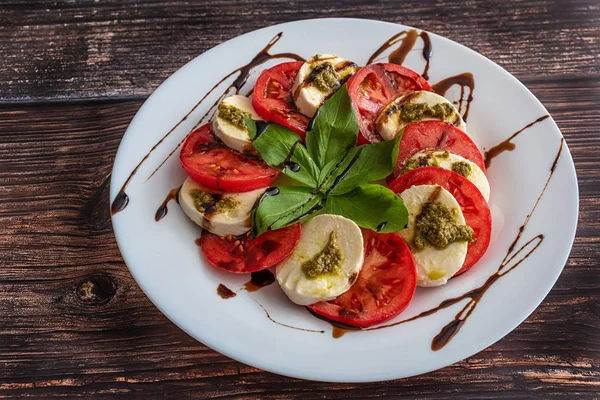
(374, 87)
(473, 205)
(245, 255)
(272, 98)
(384, 288)
(436, 135)
(210, 163)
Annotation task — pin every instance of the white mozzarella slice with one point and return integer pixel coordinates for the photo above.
(447, 160)
(308, 90)
(222, 214)
(434, 266)
(389, 121)
(234, 136)
(316, 235)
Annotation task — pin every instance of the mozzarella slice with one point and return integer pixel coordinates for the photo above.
(317, 79)
(222, 214)
(228, 123)
(434, 266)
(453, 162)
(390, 120)
(316, 235)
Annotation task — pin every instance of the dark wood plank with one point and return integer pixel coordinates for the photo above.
(74, 323)
(90, 49)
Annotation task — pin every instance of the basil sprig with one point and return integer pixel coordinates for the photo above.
(338, 176)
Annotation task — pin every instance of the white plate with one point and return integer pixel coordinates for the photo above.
(168, 266)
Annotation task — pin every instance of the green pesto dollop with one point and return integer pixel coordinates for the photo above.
(324, 77)
(205, 201)
(444, 155)
(435, 226)
(233, 115)
(428, 160)
(202, 200)
(327, 262)
(461, 167)
(417, 111)
(227, 203)
(425, 161)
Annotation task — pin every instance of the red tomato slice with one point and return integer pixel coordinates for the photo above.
(245, 255)
(374, 87)
(473, 205)
(384, 288)
(272, 100)
(436, 135)
(208, 162)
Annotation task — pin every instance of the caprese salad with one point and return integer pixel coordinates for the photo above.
(293, 179)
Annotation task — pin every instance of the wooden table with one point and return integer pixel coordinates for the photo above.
(73, 323)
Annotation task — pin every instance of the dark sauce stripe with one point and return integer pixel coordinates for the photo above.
(122, 200)
(464, 81)
(511, 260)
(508, 145)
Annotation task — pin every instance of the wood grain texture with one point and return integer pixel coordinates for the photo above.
(74, 324)
(88, 49)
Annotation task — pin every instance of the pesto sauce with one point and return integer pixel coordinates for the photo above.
(428, 160)
(233, 115)
(204, 201)
(327, 262)
(462, 168)
(417, 111)
(227, 203)
(443, 155)
(425, 161)
(324, 77)
(435, 226)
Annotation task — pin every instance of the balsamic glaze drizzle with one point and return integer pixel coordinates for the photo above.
(465, 81)
(286, 325)
(259, 280)
(288, 163)
(507, 145)
(343, 174)
(162, 209)
(224, 292)
(381, 226)
(511, 260)
(407, 41)
(121, 200)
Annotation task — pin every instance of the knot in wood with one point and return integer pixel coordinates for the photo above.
(96, 290)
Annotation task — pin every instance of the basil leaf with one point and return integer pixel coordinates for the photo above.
(371, 206)
(337, 169)
(282, 149)
(251, 126)
(290, 204)
(374, 162)
(334, 129)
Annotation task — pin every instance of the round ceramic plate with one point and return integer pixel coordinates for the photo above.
(533, 186)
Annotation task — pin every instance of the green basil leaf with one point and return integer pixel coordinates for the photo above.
(251, 125)
(371, 206)
(334, 129)
(374, 162)
(282, 149)
(290, 204)
(338, 168)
